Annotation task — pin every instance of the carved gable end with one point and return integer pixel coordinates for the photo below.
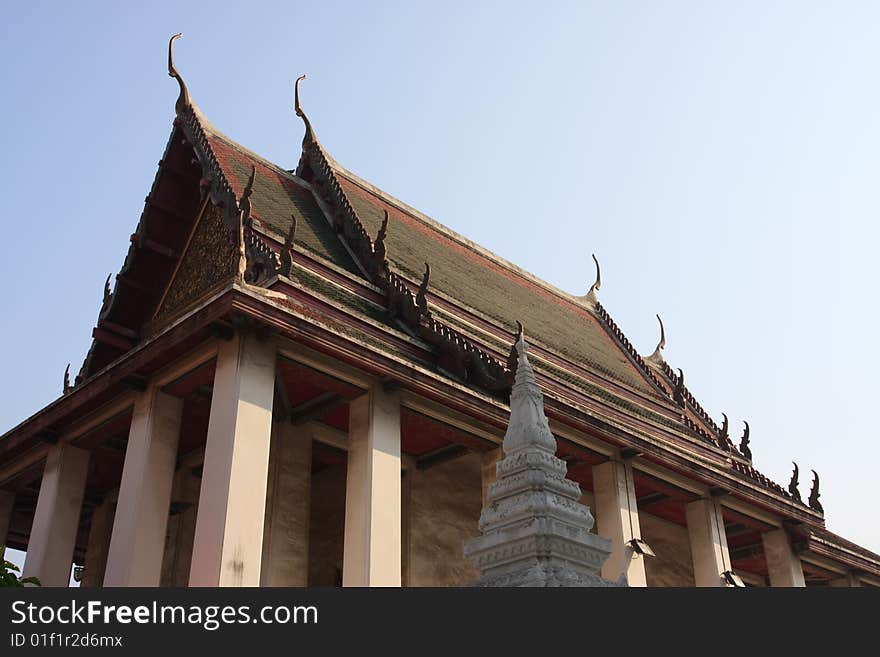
(208, 262)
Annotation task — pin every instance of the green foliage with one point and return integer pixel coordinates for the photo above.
(9, 574)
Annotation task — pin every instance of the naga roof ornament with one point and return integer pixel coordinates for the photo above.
(309, 137)
(421, 295)
(379, 249)
(678, 393)
(724, 435)
(107, 292)
(244, 204)
(244, 209)
(67, 379)
(744, 442)
(287, 250)
(591, 296)
(793, 484)
(656, 358)
(183, 100)
(814, 494)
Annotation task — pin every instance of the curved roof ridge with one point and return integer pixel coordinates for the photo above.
(208, 127)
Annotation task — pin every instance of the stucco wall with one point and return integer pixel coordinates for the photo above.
(444, 505)
(673, 565)
(100, 531)
(181, 530)
(327, 526)
(288, 492)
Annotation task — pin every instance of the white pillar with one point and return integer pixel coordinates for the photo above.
(227, 549)
(617, 518)
(7, 502)
(708, 542)
(56, 519)
(372, 496)
(137, 543)
(783, 565)
(288, 506)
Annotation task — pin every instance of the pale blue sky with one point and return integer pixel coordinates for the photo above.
(721, 159)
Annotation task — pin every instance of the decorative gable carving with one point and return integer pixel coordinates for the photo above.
(210, 260)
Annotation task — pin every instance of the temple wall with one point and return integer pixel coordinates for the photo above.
(444, 509)
(181, 530)
(673, 565)
(285, 560)
(327, 526)
(98, 545)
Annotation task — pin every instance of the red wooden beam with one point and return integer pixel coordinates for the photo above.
(112, 339)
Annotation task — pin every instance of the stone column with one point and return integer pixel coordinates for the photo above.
(138, 540)
(783, 565)
(98, 544)
(7, 501)
(617, 519)
(56, 519)
(288, 505)
(489, 471)
(227, 548)
(372, 497)
(708, 542)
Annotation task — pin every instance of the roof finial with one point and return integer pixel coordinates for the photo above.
(309, 137)
(744, 442)
(793, 484)
(183, 100)
(657, 358)
(725, 427)
(814, 494)
(592, 297)
(67, 379)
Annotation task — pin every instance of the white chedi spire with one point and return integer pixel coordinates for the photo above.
(528, 425)
(534, 530)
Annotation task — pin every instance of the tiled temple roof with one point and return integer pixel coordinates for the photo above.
(479, 296)
(484, 287)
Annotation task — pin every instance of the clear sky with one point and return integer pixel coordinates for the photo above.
(721, 159)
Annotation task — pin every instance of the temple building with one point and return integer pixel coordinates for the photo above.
(296, 379)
